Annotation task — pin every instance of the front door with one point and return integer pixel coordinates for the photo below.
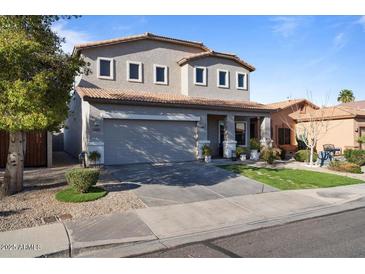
(221, 137)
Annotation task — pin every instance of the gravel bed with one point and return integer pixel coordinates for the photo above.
(27, 209)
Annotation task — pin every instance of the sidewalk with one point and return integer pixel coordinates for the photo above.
(150, 229)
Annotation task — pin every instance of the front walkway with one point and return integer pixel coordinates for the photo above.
(185, 182)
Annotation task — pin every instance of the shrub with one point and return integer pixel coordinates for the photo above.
(81, 179)
(304, 155)
(94, 156)
(270, 154)
(356, 156)
(207, 151)
(241, 151)
(254, 144)
(283, 154)
(344, 167)
(361, 139)
(301, 143)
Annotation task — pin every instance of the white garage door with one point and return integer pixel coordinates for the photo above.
(142, 141)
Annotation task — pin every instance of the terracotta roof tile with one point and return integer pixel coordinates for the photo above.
(216, 54)
(289, 103)
(146, 35)
(355, 104)
(329, 113)
(128, 96)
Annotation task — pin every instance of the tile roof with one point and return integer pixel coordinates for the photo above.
(329, 113)
(355, 104)
(129, 97)
(146, 35)
(216, 54)
(289, 103)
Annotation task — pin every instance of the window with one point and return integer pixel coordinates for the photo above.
(241, 133)
(105, 68)
(284, 136)
(241, 80)
(160, 74)
(134, 71)
(200, 76)
(222, 78)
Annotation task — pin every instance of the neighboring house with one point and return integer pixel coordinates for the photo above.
(283, 126)
(344, 125)
(151, 98)
(356, 104)
(38, 149)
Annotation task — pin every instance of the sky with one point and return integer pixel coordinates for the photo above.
(311, 57)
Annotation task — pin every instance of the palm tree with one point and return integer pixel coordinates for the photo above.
(346, 96)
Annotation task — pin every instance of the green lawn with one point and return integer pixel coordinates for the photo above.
(285, 179)
(69, 195)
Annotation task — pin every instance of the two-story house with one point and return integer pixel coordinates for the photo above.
(151, 98)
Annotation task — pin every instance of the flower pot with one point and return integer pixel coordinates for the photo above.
(254, 155)
(207, 159)
(243, 157)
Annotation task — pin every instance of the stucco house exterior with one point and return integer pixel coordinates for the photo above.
(344, 123)
(283, 125)
(151, 98)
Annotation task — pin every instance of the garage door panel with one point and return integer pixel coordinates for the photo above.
(140, 141)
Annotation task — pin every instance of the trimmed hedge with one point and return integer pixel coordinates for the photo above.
(356, 156)
(344, 167)
(304, 155)
(82, 179)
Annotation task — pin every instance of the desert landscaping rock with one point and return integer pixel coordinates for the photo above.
(37, 202)
(28, 208)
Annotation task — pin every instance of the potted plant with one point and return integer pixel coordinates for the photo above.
(254, 147)
(94, 156)
(241, 153)
(207, 153)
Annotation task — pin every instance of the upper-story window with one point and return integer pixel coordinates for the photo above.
(134, 71)
(105, 68)
(200, 76)
(160, 74)
(241, 80)
(222, 78)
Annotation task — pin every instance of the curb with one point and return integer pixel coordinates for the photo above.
(139, 248)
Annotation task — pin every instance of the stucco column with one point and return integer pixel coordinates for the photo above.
(202, 135)
(265, 132)
(229, 143)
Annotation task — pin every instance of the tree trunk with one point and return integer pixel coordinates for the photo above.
(13, 178)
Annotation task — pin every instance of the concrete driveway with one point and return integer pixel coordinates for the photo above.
(186, 182)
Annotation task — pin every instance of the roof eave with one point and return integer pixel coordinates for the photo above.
(146, 36)
(199, 106)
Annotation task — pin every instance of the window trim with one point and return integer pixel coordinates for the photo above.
(246, 132)
(111, 60)
(244, 81)
(139, 80)
(204, 83)
(155, 66)
(227, 78)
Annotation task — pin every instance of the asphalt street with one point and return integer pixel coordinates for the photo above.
(338, 235)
